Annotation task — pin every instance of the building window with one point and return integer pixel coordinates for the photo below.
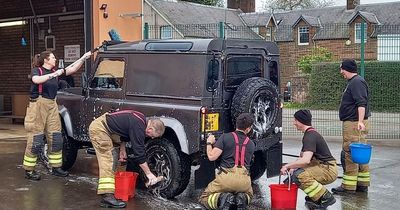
(255, 29)
(358, 33)
(268, 34)
(166, 32)
(304, 34)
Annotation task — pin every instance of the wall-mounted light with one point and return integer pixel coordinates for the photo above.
(104, 8)
(348, 42)
(13, 23)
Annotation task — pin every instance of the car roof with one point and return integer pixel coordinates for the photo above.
(191, 45)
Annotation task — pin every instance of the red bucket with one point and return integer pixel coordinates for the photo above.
(125, 184)
(283, 197)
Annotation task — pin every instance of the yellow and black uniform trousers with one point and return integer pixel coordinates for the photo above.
(312, 178)
(42, 119)
(236, 179)
(354, 174)
(103, 143)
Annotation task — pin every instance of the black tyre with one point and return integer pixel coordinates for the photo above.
(164, 160)
(258, 96)
(69, 152)
(258, 167)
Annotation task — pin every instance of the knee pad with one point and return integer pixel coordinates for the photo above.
(37, 144)
(57, 143)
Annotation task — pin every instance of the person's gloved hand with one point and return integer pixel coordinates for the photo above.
(152, 179)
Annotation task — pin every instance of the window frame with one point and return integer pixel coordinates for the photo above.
(357, 30)
(268, 34)
(163, 32)
(299, 32)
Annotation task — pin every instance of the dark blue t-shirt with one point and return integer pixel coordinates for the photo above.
(49, 88)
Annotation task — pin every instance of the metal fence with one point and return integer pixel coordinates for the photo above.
(382, 43)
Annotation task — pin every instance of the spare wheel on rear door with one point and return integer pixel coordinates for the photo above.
(258, 96)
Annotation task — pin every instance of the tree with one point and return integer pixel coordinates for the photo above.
(208, 2)
(318, 54)
(287, 5)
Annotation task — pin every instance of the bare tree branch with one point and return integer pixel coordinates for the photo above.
(287, 5)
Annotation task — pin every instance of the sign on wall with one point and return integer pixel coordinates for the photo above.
(71, 53)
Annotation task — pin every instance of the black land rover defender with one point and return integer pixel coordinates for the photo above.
(196, 87)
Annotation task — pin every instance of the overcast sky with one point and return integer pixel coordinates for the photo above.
(259, 3)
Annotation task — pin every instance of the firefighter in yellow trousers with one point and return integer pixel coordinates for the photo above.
(42, 118)
(315, 167)
(353, 112)
(127, 128)
(232, 185)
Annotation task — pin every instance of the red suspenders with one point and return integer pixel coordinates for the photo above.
(135, 113)
(40, 86)
(242, 152)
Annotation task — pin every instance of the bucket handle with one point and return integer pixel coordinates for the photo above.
(289, 177)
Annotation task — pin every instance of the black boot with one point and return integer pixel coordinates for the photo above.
(241, 201)
(225, 201)
(363, 189)
(32, 175)
(57, 171)
(109, 201)
(341, 191)
(327, 199)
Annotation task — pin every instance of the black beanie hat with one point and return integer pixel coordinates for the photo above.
(349, 65)
(304, 116)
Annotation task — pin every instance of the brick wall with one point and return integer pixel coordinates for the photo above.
(15, 61)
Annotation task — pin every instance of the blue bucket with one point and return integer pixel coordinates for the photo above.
(360, 153)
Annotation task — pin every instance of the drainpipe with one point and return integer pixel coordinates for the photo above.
(362, 73)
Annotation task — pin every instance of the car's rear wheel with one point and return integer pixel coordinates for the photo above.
(259, 165)
(258, 96)
(164, 160)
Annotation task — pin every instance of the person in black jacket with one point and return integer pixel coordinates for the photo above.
(128, 128)
(353, 112)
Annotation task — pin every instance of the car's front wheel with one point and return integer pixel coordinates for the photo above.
(69, 152)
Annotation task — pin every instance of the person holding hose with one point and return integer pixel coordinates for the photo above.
(128, 128)
(42, 117)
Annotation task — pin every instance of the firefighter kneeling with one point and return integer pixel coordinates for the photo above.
(232, 185)
(316, 166)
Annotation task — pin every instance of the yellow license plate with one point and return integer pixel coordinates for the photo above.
(210, 122)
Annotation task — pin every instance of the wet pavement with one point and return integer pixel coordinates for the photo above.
(78, 191)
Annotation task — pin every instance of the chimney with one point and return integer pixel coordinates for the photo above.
(245, 5)
(351, 4)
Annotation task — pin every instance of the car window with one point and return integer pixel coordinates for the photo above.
(109, 74)
(241, 67)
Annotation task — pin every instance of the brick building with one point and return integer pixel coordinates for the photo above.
(337, 29)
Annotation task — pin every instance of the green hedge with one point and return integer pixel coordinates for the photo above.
(327, 85)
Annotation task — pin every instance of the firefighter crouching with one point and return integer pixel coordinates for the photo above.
(315, 167)
(232, 185)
